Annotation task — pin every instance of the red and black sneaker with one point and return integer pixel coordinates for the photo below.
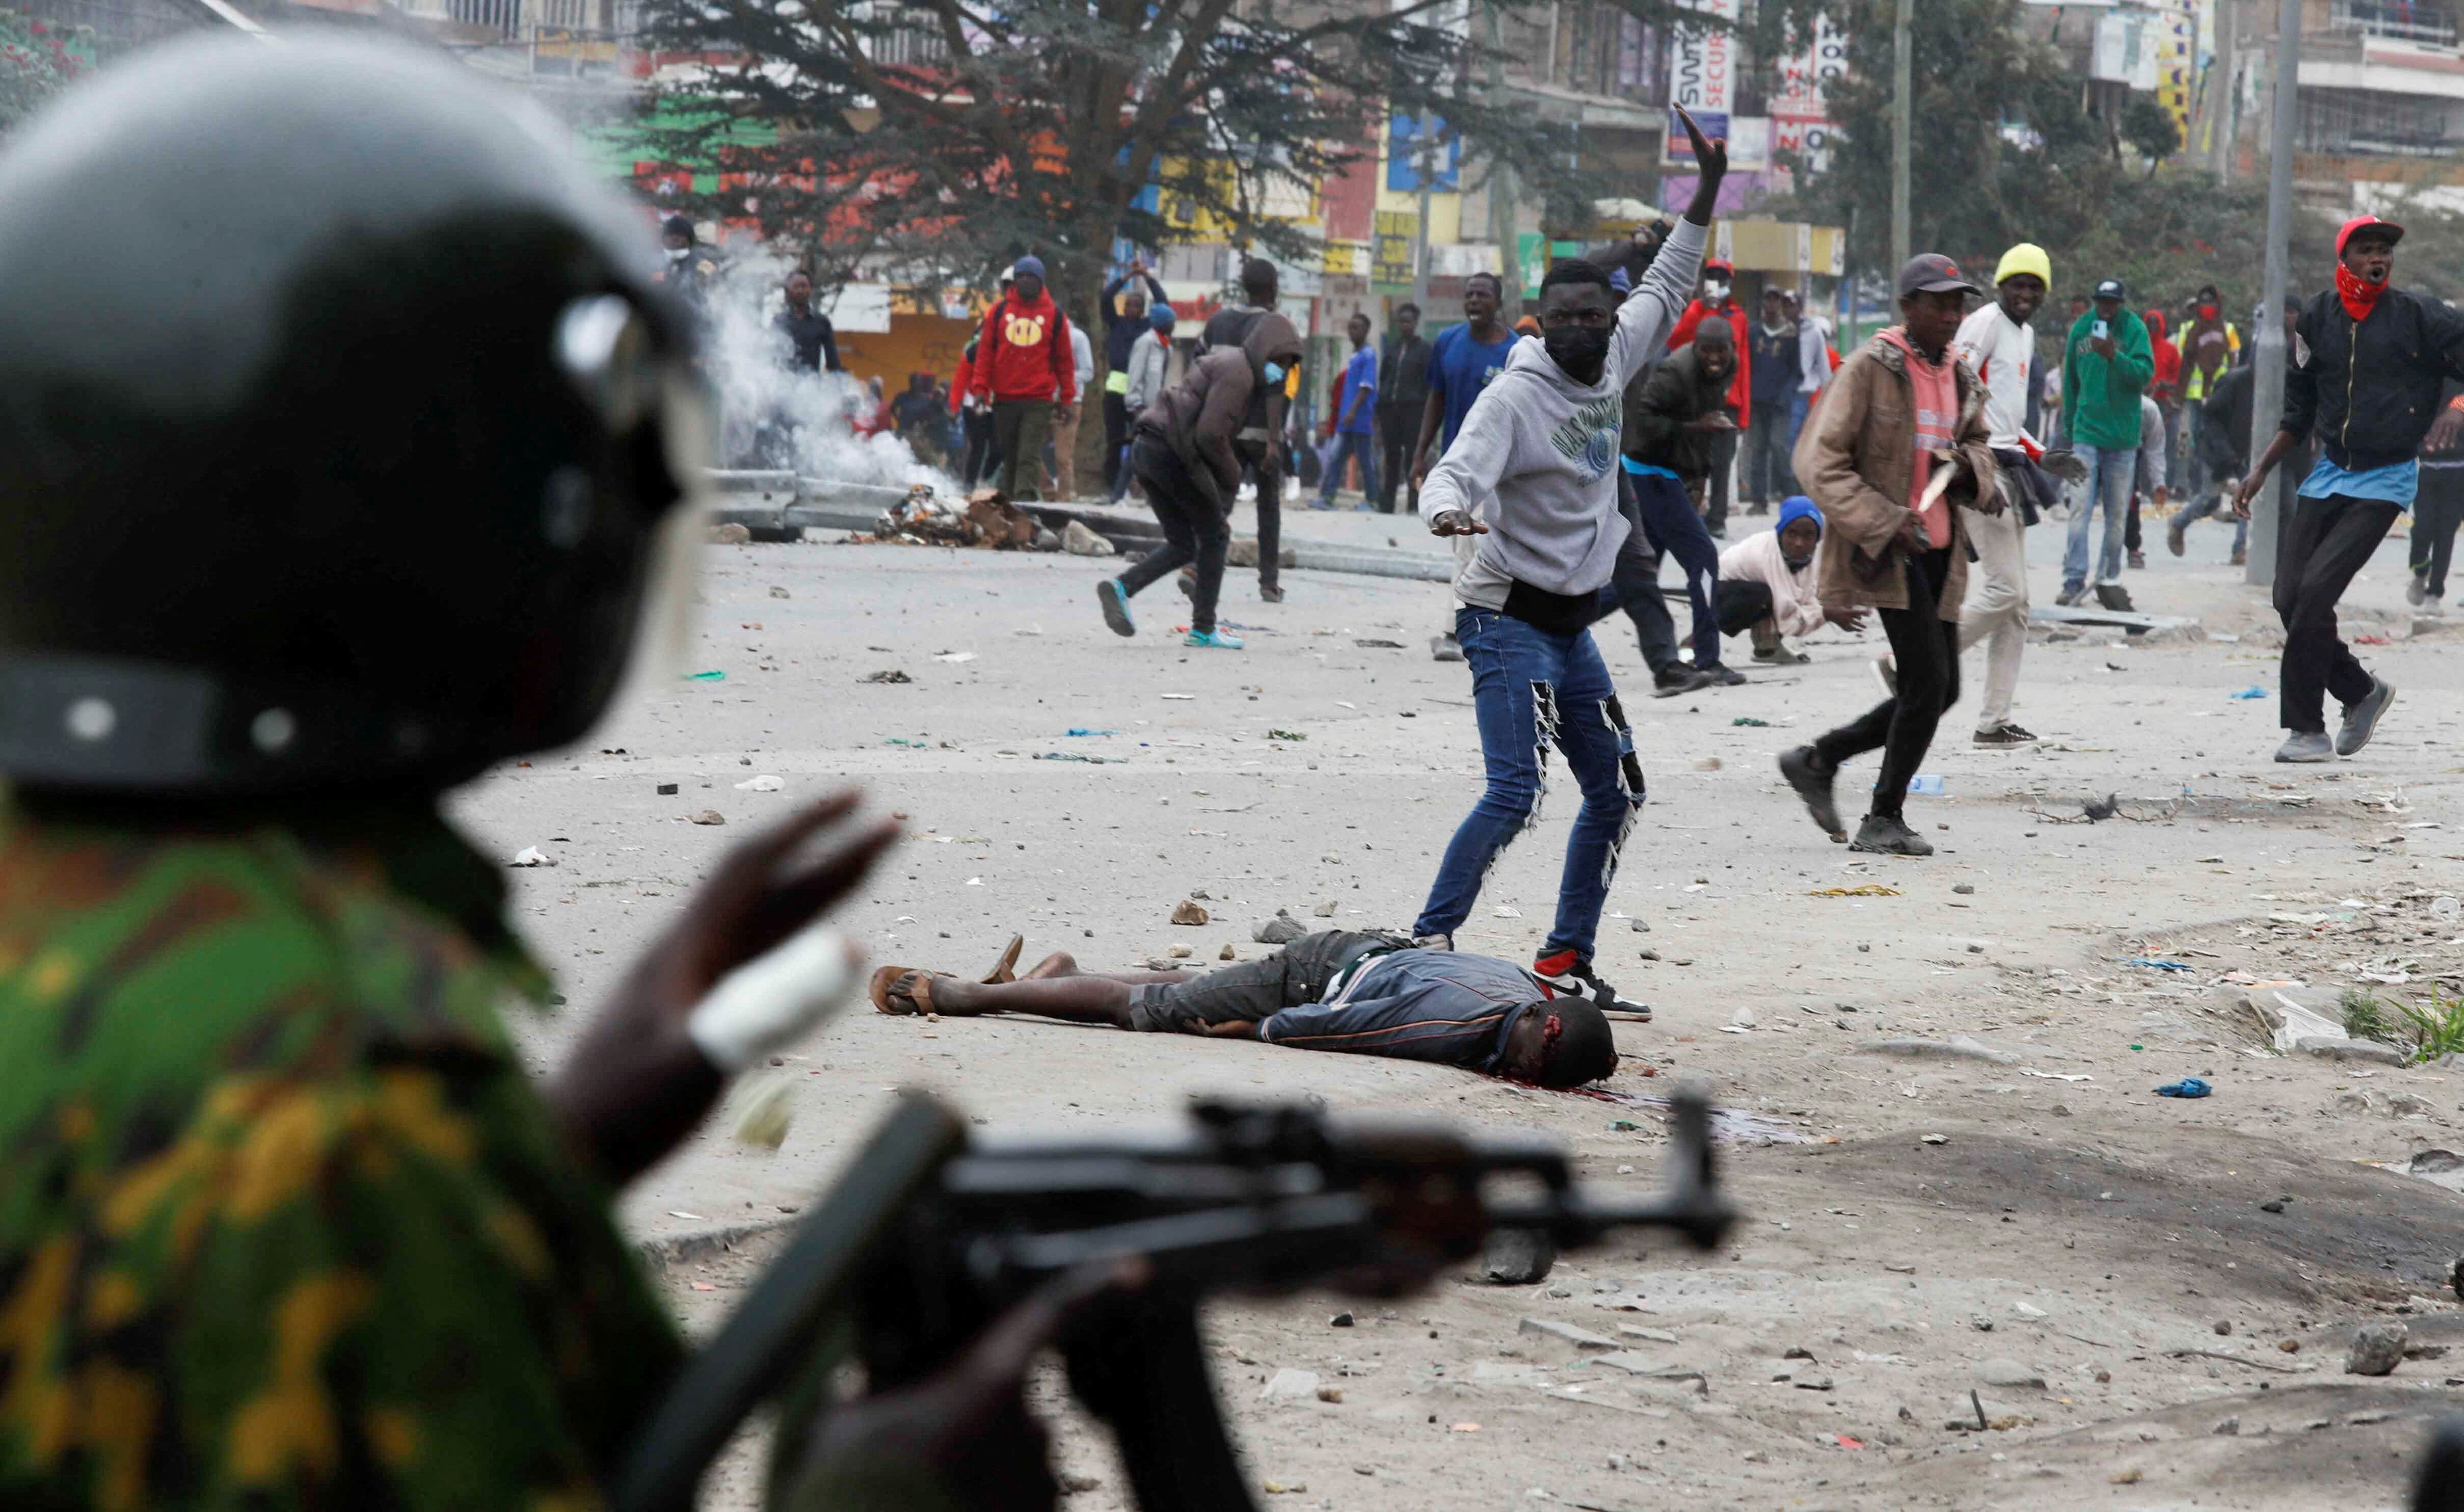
(1572, 976)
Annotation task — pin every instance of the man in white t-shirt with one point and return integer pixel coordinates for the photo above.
(1997, 341)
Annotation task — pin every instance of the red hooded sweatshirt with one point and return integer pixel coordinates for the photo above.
(2166, 386)
(1023, 352)
(1741, 388)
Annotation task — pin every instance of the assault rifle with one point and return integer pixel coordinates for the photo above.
(930, 1236)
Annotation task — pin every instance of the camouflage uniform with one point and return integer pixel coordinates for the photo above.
(282, 1222)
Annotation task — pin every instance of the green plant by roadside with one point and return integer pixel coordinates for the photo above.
(2366, 1018)
(2438, 1027)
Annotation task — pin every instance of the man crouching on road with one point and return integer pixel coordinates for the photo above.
(1371, 994)
(1900, 410)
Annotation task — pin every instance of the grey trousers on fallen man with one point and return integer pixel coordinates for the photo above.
(1254, 990)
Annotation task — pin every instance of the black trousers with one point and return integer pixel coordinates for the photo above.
(1193, 529)
(1668, 520)
(1266, 465)
(1395, 433)
(1634, 586)
(1723, 465)
(1116, 430)
(1743, 605)
(2436, 513)
(1769, 477)
(1925, 647)
(982, 456)
(2323, 544)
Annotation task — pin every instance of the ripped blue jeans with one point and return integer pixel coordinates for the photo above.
(1531, 690)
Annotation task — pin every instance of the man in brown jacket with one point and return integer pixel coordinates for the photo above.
(1181, 452)
(1897, 450)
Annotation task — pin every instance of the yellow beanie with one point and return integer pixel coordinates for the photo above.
(2025, 258)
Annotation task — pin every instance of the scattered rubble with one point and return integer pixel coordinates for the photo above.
(1080, 542)
(1281, 930)
(1518, 1258)
(2377, 1348)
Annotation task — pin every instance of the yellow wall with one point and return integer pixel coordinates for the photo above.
(912, 344)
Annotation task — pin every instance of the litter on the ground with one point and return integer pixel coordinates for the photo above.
(2157, 963)
(1751, 722)
(2186, 1087)
(530, 855)
(2252, 692)
(1091, 761)
(762, 784)
(1869, 890)
(705, 676)
(1075, 731)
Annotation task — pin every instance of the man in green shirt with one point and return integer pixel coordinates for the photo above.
(369, 498)
(2107, 361)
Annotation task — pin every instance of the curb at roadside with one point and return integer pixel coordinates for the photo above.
(1125, 536)
(661, 1251)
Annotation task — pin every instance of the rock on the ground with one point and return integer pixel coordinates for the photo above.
(1046, 539)
(1567, 1333)
(2009, 1374)
(2342, 1049)
(1290, 1386)
(1517, 1258)
(1281, 930)
(1243, 552)
(730, 535)
(1080, 542)
(1187, 912)
(2377, 1350)
(1963, 1047)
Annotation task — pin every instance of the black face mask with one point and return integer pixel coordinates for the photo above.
(1578, 349)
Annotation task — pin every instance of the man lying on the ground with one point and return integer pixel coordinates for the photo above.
(1336, 990)
(1766, 585)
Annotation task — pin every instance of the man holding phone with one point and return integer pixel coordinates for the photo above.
(2107, 365)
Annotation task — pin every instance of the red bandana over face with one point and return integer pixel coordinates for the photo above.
(2359, 294)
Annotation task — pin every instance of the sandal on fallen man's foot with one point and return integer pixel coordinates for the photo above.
(904, 991)
(1005, 970)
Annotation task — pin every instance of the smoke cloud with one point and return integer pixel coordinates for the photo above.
(773, 414)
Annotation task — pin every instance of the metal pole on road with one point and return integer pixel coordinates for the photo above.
(1902, 151)
(2267, 378)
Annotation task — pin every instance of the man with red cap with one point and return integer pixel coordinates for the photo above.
(2366, 370)
(1713, 300)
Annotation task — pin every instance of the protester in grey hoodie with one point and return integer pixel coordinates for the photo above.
(1540, 445)
(1533, 473)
